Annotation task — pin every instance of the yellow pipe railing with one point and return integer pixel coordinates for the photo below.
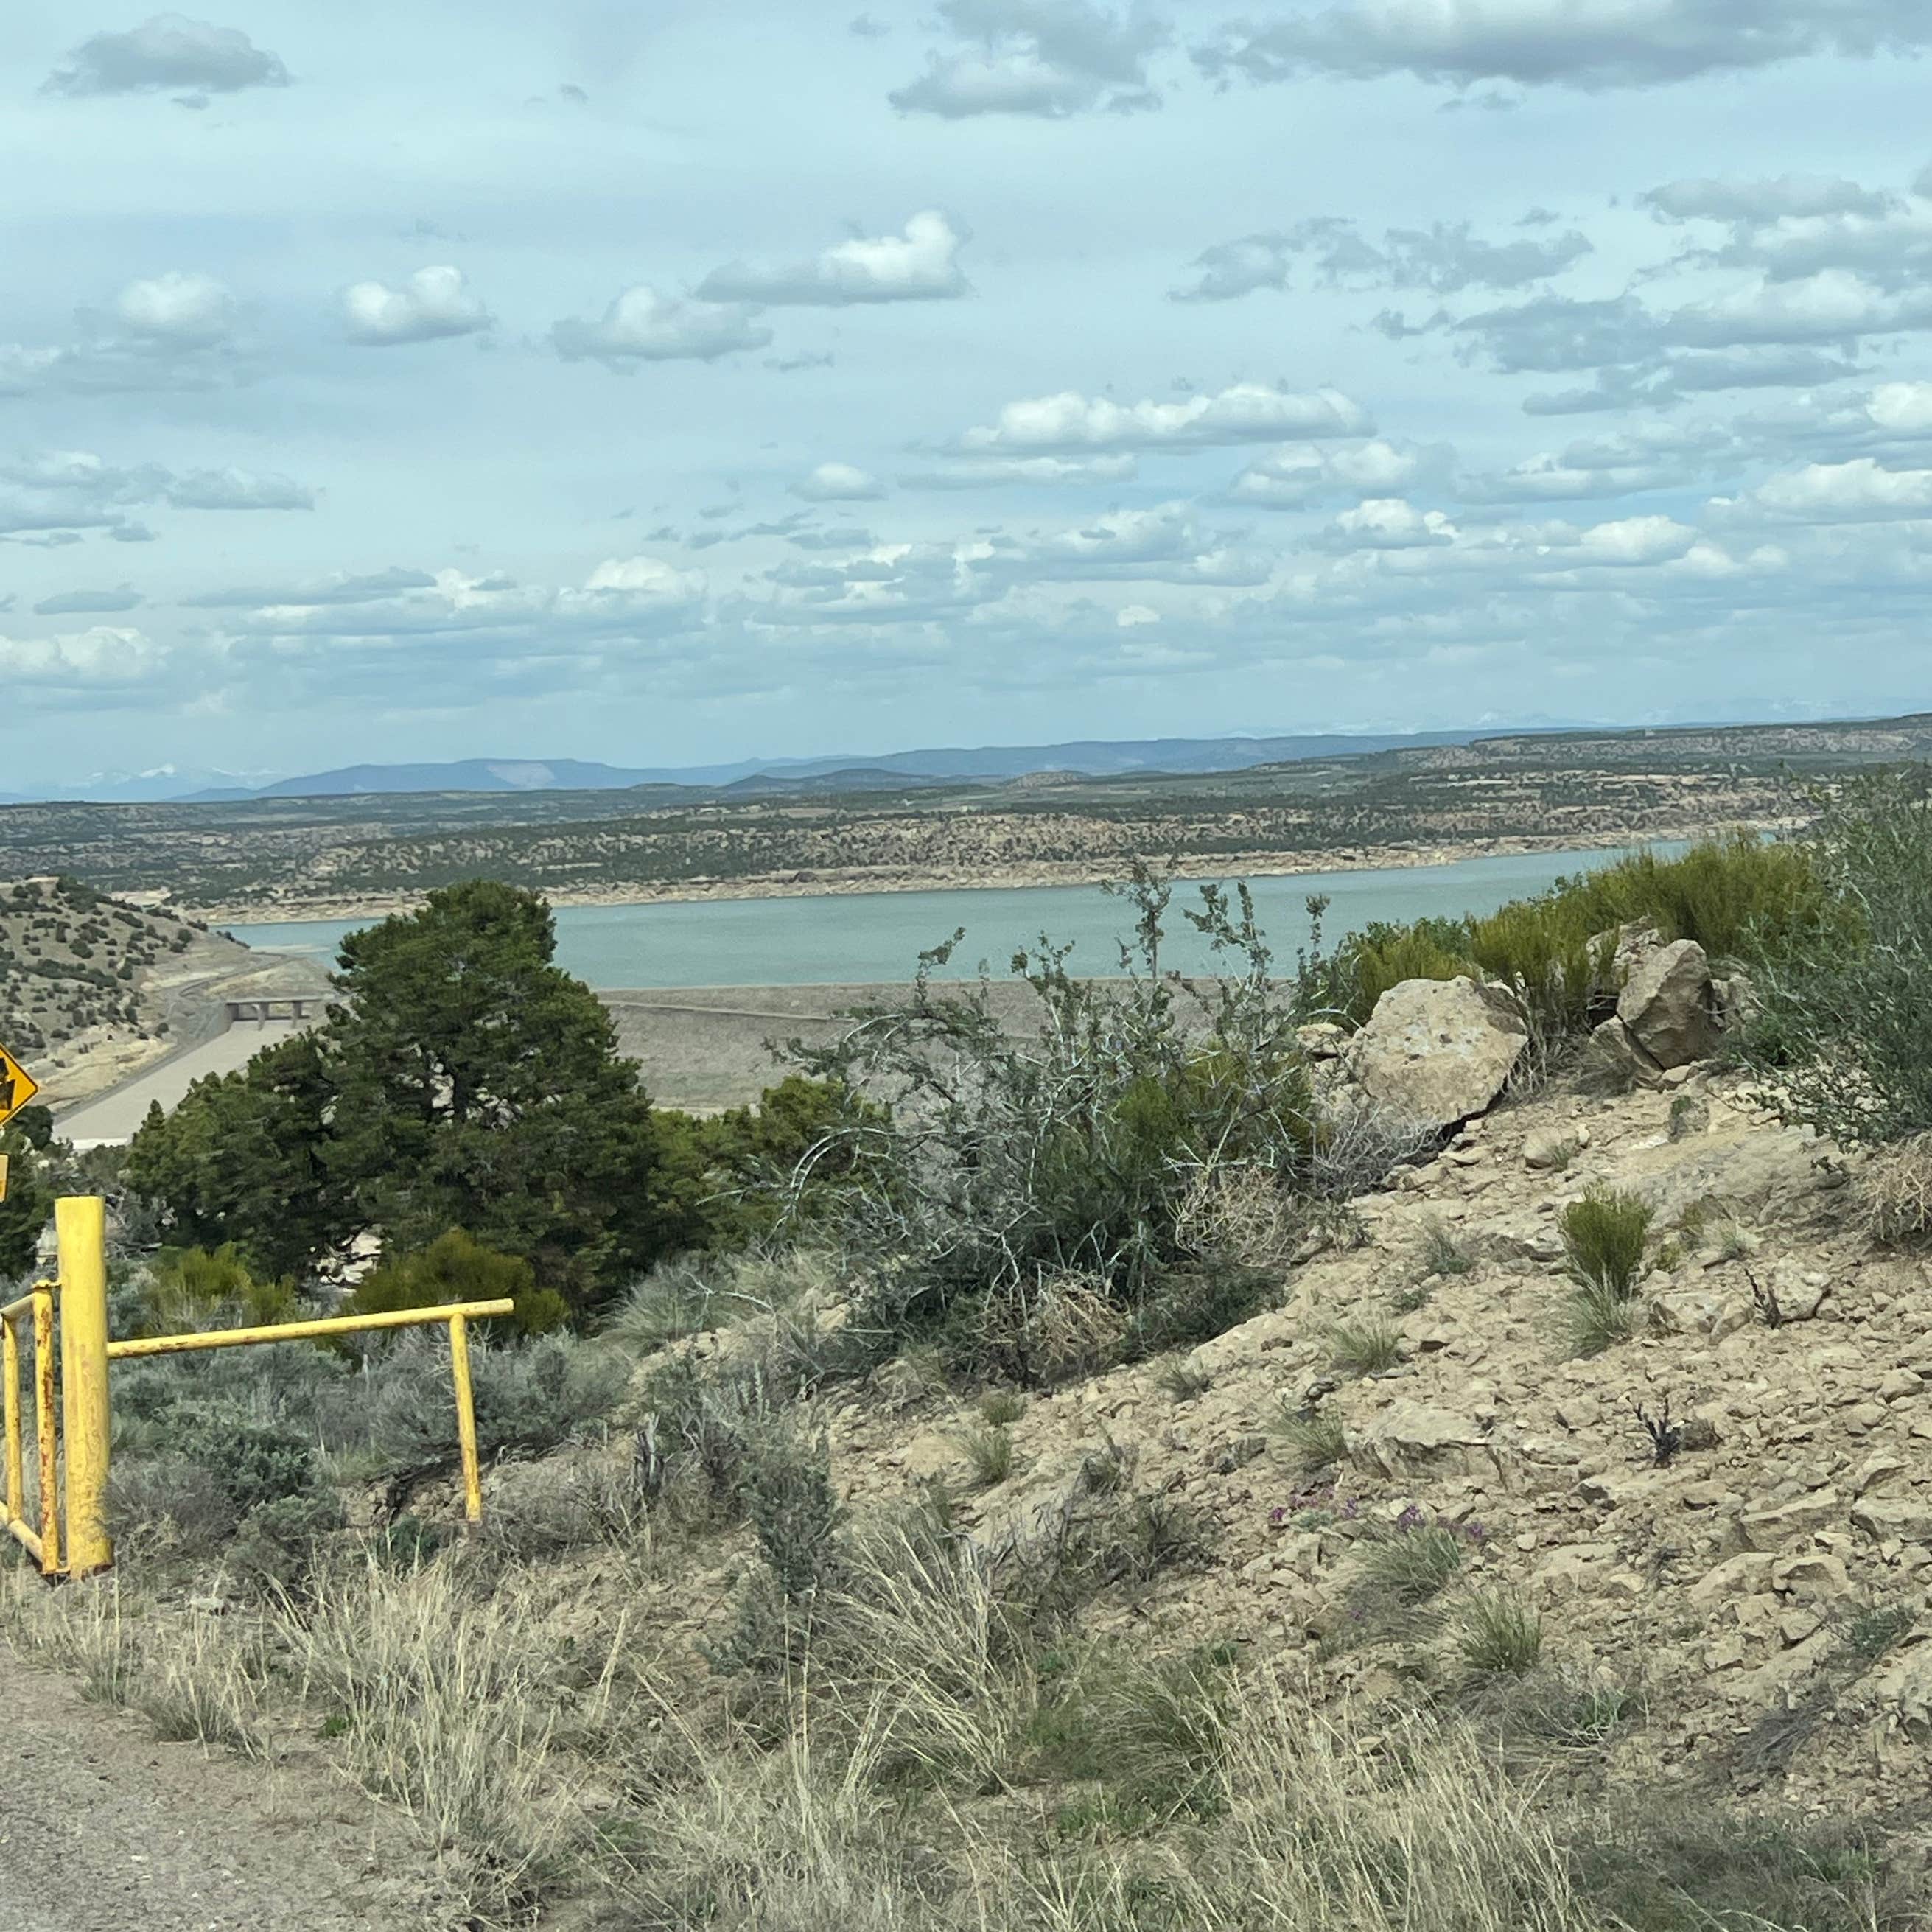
(80, 1425)
(43, 1544)
(458, 1315)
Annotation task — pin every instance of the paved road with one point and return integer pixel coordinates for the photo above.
(102, 1829)
(113, 1117)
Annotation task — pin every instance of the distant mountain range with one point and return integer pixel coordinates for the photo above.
(1087, 757)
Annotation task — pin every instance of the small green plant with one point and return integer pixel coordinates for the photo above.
(1184, 1380)
(1000, 1407)
(1873, 1630)
(1314, 1439)
(1364, 1348)
(1502, 1636)
(1604, 1235)
(991, 1457)
(1415, 1560)
(1599, 1318)
(1442, 1253)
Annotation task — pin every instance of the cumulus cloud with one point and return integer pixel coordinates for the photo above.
(238, 489)
(433, 303)
(177, 308)
(1859, 491)
(169, 51)
(1589, 44)
(1044, 58)
(1300, 474)
(1446, 258)
(1389, 522)
(1244, 413)
(77, 603)
(643, 326)
(101, 658)
(919, 265)
(837, 483)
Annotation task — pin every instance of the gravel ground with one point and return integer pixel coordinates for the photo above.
(103, 1829)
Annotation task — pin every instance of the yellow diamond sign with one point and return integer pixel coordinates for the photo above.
(17, 1087)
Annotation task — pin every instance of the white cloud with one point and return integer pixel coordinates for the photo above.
(177, 308)
(1593, 44)
(643, 326)
(1300, 474)
(1390, 523)
(1706, 199)
(1631, 541)
(434, 303)
(104, 655)
(972, 474)
(238, 489)
(339, 589)
(169, 51)
(837, 483)
(1905, 408)
(1129, 615)
(633, 588)
(1043, 58)
(1245, 412)
(1446, 259)
(1859, 491)
(919, 265)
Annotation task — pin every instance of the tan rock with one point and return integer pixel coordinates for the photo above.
(1900, 1383)
(1904, 1685)
(1890, 1519)
(1408, 1435)
(1783, 1523)
(1875, 1470)
(1811, 1576)
(1666, 1004)
(1435, 1051)
(1736, 1576)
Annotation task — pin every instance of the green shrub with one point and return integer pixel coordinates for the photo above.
(991, 1457)
(454, 1268)
(1604, 1236)
(1367, 1347)
(192, 1288)
(161, 1506)
(253, 1461)
(1157, 1730)
(1414, 1561)
(277, 1541)
(1845, 1002)
(1075, 1149)
(1442, 1253)
(1314, 1442)
(1502, 1636)
(1599, 1318)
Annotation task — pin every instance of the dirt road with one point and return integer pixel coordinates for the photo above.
(103, 1829)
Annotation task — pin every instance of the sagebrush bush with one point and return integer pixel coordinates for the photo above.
(1843, 1003)
(1075, 1150)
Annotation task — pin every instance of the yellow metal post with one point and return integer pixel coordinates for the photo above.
(466, 1417)
(9, 1367)
(81, 1222)
(46, 1439)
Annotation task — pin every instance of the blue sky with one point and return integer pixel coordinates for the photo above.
(672, 383)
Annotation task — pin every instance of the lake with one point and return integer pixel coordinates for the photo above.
(859, 938)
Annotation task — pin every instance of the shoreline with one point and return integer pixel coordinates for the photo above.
(1216, 866)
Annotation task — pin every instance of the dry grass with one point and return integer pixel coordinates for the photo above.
(439, 1702)
(1895, 1190)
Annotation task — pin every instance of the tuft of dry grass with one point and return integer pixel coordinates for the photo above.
(439, 1704)
(1895, 1190)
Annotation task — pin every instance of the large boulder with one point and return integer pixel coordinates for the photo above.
(1438, 1051)
(1665, 1006)
(1409, 1436)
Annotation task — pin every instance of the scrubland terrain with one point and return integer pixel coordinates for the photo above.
(1436, 1444)
(292, 858)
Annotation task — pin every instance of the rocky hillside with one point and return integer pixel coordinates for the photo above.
(92, 988)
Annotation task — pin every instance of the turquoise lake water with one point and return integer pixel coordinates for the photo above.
(862, 936)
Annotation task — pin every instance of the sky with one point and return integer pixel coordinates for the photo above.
(672, 382)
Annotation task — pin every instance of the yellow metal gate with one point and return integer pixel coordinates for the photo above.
(68, 1534)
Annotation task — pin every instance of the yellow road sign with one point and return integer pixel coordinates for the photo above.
(17, 1087)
